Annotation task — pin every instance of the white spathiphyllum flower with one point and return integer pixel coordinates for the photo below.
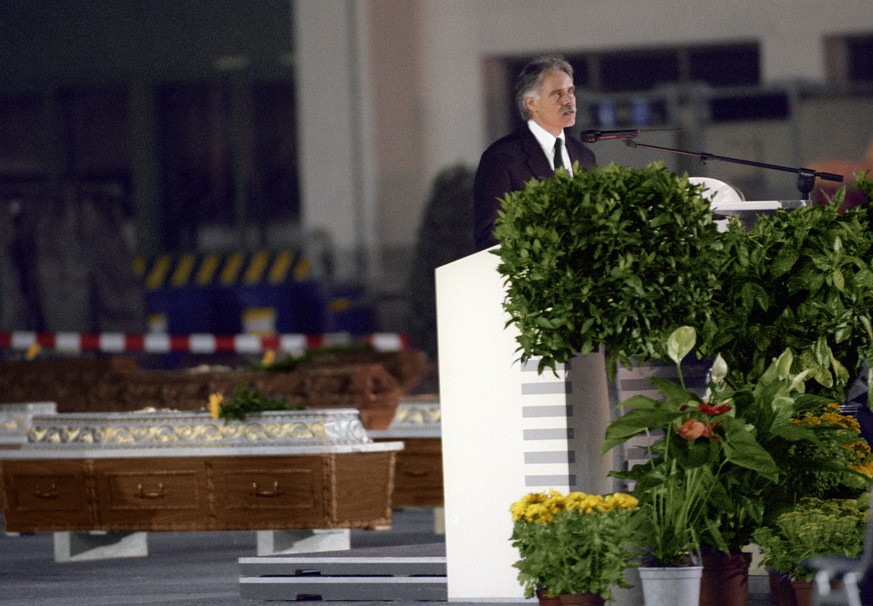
(719, 370)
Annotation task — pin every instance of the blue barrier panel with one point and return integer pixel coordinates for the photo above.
(350, 312)
(182, 310)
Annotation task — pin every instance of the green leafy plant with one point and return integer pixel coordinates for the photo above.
(767, 407)
(799, 279)
(709, 463)
(611, 256)
(574, 543)
(245, 400)
(837, 464)
(813, 527)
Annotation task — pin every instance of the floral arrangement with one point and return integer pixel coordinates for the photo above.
(838, 464)
(710, 464)
(813, 527)
(574, 543)
(245, 400)
(769, 405)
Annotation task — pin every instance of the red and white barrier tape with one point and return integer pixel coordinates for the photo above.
(160, 343)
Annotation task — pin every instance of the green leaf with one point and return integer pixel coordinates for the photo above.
(681, 342)
(741, 448)
(634, 422)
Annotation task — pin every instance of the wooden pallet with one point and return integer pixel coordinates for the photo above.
(410, 573)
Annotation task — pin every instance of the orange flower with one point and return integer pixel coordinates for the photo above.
(691, 429)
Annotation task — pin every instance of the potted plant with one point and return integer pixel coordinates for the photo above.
(813, 526)
(708, 469)
(799, 279)
(574, 547)
(743, 498)
(613, 256)
(820, 504)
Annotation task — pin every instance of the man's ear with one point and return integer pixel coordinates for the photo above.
(530, 104)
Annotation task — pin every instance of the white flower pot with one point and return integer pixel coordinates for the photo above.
(671, 586)
(628, 597)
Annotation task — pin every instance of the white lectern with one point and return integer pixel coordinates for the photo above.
(506, 430)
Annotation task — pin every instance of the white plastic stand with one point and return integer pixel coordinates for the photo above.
(273, 542)
(506, 430)
(99, 545)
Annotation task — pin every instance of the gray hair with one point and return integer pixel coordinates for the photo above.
(530, 80)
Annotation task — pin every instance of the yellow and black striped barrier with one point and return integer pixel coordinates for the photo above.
(259, 292)
(236, 268)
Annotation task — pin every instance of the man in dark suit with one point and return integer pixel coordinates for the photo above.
(546, 98)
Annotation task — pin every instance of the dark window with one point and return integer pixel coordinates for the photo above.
(229, 156)
(768, 106)
(195, 150)
(95, 123)
(275, 190)
(637, 71)
(22, 135)
(719, 65)
(728, 65)
(860, 58)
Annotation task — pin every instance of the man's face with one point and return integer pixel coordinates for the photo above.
(555, 110)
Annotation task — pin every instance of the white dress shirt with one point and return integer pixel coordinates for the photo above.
(547, 142)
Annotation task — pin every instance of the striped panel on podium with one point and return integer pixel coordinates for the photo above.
(547, 428)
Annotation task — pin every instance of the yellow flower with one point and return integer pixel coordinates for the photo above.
(624, 500)
(555, 502)
(538, 512)
(865, 468)
(215, 402)
(606, 505)
(32, 351)
(840, 420)
(586, 503)
(542, 508)
(831, 417)
(617, 500)
(520, 507)
(269, 358)
(861, 452)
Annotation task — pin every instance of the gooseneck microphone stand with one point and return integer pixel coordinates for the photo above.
(805, 176)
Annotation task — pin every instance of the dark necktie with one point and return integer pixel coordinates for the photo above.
(559, 158)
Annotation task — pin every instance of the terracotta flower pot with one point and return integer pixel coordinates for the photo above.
(803, 592)
(581, 599)
(785, 591)
(546, 599)
(725, 580)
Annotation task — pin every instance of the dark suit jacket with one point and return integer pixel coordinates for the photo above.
(505, 167)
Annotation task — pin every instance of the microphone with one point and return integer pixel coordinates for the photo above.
(593, 136)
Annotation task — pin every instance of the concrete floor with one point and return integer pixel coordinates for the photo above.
(182, 569)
